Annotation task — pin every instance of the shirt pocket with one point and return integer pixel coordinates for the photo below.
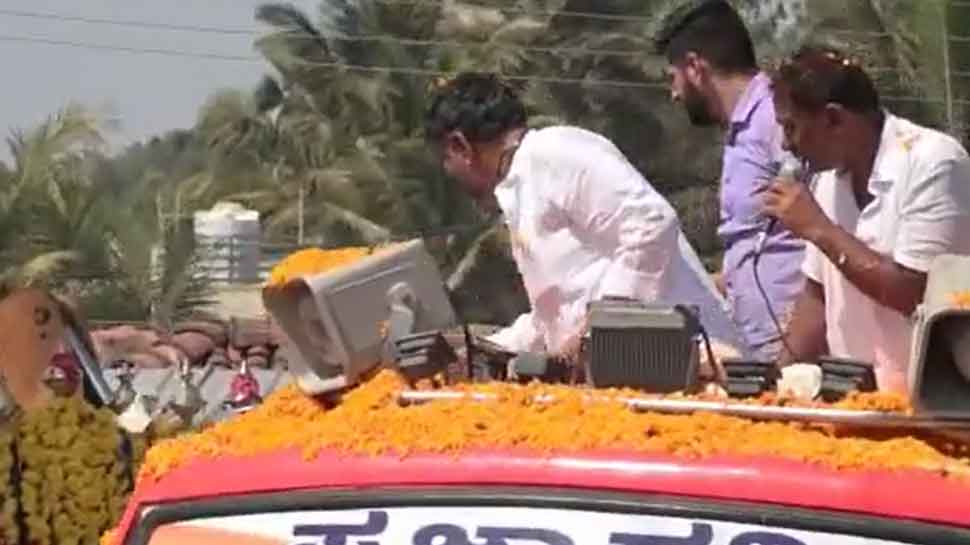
(878, 224)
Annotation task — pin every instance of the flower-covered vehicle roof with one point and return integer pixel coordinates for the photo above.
(292, 454)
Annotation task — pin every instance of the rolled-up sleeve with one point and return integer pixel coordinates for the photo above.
(617, 209)
(935, 215)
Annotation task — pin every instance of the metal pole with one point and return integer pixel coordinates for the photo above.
(299, 236)
(90, 365)
(178, 212)
(947, 77)
(866, 419)
(232, 259)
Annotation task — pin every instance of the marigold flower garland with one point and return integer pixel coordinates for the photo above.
(9, 529)
(72, 485)
(369, 421)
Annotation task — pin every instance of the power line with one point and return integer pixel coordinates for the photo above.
(593, 82)
(484, 45)
(408, 41)
(579, 14)
(126, 22)
(221, 30)
(596, 82)
(300, 35)
(126, 49)
(509, 9)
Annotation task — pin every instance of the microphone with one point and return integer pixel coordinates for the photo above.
(791, 167)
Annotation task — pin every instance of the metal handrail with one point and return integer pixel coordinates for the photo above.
(814, 415)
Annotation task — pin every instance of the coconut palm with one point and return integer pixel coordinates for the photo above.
(280, 158)
(67, 225)
(900, 44)
(43, 206)
(371, 113)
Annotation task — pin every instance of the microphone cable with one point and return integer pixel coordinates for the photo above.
(767, 300)
(790, 168)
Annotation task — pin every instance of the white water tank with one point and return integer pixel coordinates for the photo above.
(228, 239)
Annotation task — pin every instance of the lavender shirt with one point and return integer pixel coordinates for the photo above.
(752, 157)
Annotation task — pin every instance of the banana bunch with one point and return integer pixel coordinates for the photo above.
(73, 482)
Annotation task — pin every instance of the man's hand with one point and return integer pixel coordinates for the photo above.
(794, 206)
(570, 349)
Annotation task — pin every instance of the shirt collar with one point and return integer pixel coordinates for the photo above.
(895, 143)
(758, 89)
(518, 163)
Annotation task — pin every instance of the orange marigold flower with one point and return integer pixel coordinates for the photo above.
(314, 261)
(960, 299)
(369, 421)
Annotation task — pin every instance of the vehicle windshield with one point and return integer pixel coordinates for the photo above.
(488, 525)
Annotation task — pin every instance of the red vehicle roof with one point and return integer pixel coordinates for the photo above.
(905, 495)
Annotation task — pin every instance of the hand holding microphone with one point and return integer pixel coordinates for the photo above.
(791, 169)
(789, 200)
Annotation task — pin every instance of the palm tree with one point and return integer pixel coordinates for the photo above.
(280, 157)
(371, 113)
(373, 117)
(904, 46)
(352, 135)
(70, 226)
(45, 212)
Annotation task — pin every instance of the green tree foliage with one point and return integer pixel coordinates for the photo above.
(328, 143)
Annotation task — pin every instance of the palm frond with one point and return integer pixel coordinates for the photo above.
(471, 259)
(268, 94)
(40, 269)
(328, 214)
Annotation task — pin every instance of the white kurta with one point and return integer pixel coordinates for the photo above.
(584, 225)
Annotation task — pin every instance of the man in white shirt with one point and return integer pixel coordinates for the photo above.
(891, 195)
(583, 222)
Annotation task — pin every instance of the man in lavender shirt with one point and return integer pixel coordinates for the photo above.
(714, 73)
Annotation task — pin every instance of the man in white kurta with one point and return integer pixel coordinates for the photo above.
(584, 223)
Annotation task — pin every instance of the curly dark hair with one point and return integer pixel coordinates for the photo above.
(815, 76)
(480, 105)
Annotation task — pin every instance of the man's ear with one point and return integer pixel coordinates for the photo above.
(695, 67)
(457, 144)
(834, 115)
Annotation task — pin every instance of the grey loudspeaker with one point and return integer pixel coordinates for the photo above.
(939, 371)
(644, 346)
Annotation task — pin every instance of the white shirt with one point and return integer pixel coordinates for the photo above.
(921, 208)
(585, 224)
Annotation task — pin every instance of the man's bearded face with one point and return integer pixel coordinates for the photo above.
(696, 105)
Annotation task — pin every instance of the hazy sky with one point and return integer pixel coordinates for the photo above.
(150, 93)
